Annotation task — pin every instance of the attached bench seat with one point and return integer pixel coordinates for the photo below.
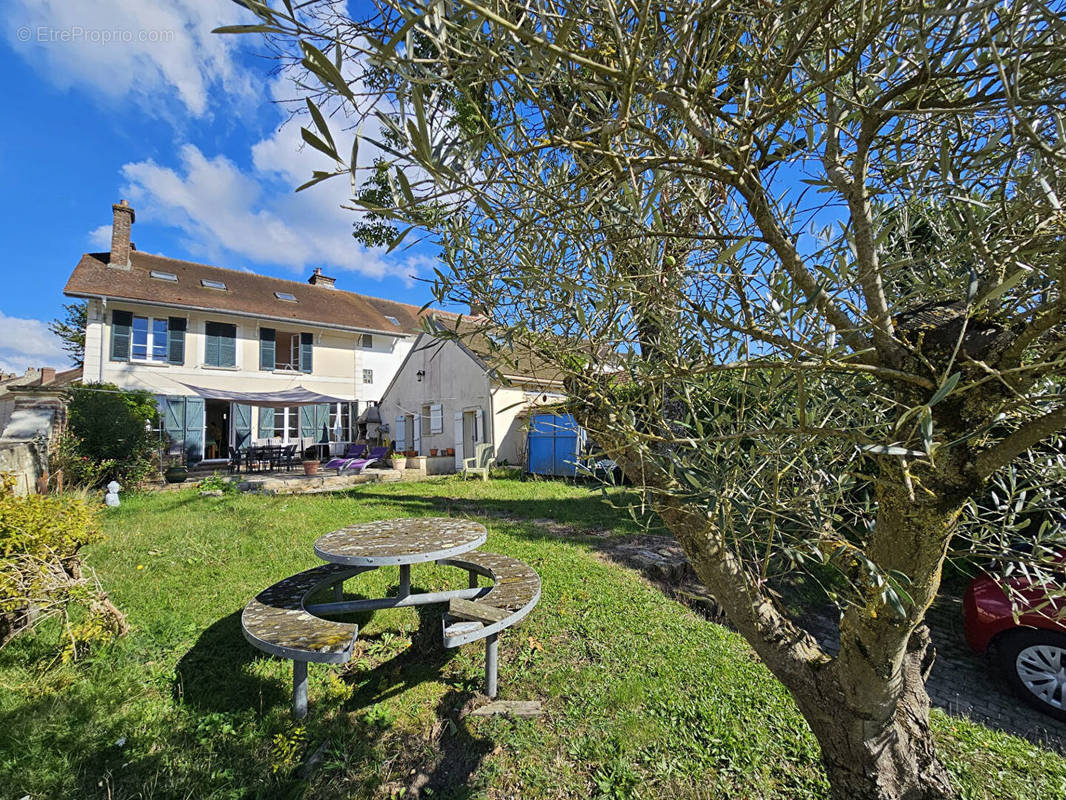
(514, 593)
(276, 622)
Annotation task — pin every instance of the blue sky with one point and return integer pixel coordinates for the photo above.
(110, 99)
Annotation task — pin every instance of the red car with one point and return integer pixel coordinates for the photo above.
(1031, 649)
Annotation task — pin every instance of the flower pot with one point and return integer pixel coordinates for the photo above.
(399, 462)
(433, 451)
(450, 451)
(411, 453)
(176, 474)
(311, 467)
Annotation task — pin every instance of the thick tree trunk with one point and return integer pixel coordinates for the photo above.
(868, 706)
(893, 758)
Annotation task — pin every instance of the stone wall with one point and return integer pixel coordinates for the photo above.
(21, 460)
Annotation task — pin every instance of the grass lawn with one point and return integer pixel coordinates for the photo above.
(642, 697)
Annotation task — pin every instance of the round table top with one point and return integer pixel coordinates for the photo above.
(400, 541)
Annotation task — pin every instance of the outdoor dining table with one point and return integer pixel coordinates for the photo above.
(280, 621)
(398, 542)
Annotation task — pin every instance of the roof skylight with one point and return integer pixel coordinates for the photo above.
(289, 296)
(163, 276)
(212, 284)
(393, 320)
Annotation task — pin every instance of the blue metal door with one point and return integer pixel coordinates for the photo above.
(553, 445)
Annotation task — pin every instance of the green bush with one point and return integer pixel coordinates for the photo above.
(110, 436)
(41, 575)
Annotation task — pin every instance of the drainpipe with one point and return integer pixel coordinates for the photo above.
(103, 338)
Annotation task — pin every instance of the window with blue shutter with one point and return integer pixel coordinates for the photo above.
(267, 348)
(121, 322)
(220, 344)
(306, 348)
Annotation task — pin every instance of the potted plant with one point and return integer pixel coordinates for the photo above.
(450, 451)
(433, 451)
(174, 470)
(399, 461)
(176, 473)
(311, 466)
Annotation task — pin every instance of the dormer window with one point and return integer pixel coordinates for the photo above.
(207, 284)
(163, 276)
(288, 297)
(393, 320)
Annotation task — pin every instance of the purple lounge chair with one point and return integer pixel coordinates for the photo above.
(339, 463)
(359, 464)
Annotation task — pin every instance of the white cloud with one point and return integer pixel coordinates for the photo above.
(132, 49)
(28, 343)
(227, 213)
(100, 239)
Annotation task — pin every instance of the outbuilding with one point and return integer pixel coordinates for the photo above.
(458, 393)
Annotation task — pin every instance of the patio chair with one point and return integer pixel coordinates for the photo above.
(289, 457)
(340, 463)
(484, 457)
(359, 464)
(236, 456)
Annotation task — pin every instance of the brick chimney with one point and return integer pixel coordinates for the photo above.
(48, 375)
(318, 279)
(120, 235)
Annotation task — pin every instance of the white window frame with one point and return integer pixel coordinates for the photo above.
(370, 373)
(150, 340)
(288, 412)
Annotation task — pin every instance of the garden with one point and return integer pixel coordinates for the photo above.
(641, 697)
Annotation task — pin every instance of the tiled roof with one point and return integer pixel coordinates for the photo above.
(246, 294)
(514, 361)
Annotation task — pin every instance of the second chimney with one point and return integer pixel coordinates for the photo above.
(120, 235)
(318, 279)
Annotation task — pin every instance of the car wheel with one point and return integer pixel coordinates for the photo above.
(1034, 662)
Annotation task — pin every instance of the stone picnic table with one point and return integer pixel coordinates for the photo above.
(279, 621)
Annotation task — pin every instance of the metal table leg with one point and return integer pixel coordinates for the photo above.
(492, 651)
(405, 580)
(299, 689)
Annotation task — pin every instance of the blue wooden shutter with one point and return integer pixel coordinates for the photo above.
(242, 424)
(174, 422)
(307, 420)
(227, 346)
(266, 423)
(121, 321)
(322, 421)
(306, 348)
(176, 340)
(194, 430)
(211, 344)
(267, 348)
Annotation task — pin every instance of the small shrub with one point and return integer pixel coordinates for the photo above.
(68, 455)
(41, 575)
(216, 483)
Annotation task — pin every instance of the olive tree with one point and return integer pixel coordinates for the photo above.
(799, 265)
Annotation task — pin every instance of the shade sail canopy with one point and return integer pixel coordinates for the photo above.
(297, 396)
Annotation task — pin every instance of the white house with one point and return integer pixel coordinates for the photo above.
(459, 393)
(193, 334)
